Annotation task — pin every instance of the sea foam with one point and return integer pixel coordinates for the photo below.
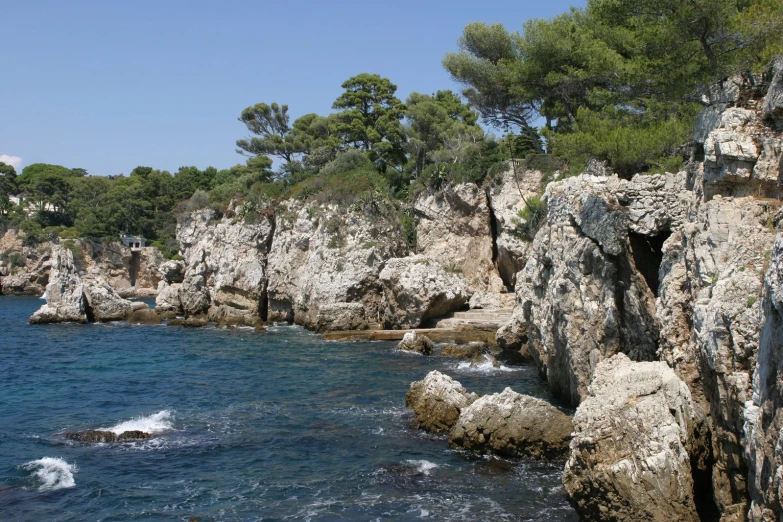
(155, 423)
(423, 466)
(487, 366)
(52, 473)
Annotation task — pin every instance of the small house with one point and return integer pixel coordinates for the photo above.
(132, 241)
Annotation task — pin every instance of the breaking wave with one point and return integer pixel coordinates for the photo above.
(155, 423)
(52, 473)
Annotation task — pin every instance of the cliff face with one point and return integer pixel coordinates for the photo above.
(25, 270)
(672, 268)
(325, 262)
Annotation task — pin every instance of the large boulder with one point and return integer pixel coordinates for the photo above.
(65, 300)
(629, 456)
(325, 261)
(104, 303)
(172, 271)
(416, 289)
(413, 342)
(512, 425)
(436, 401)
(103, 436)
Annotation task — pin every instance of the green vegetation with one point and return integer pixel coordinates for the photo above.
(616, 81)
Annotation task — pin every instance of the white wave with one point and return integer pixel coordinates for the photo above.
(155, 423)
(52, 473)
(488, 365)
(423, 466)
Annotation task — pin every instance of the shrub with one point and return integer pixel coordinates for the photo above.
(198, 200)
(349, 160)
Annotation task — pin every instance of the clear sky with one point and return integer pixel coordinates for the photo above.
(108, 85)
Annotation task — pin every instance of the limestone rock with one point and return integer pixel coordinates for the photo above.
(172, 271)
(413, 342)
(144, 316)
(473, 352)
(416, 289)
(580, 297)
(168, 298)
(104, 303)
(772, 108)
(65, 300)
(629, 455)
(454, 229)
(708, 309)
(325, 261)
(512, 425)
(101, 436)
(225, 267)
(763, 427)
(506, 202)
(436, 401)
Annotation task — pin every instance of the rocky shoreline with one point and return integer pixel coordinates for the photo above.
(651, 305)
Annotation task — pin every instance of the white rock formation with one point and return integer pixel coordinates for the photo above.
(437, 400)
(416, 289)
(629, 457)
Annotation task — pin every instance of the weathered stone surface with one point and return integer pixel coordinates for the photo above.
(629, 456)
(413, 342)
(454, 230)
(172, 271)
(473, 352)
(325, 263)
(104, 303)
(772, 108)
(436, 401)
(655, 203)
(144, 316)
(512, 425)
(708, 310)
(506, 202)
(225, 268)
(763, 428)
(580, 298)
(65, 300)
(416, 289)
(101, 436)
(190, 322)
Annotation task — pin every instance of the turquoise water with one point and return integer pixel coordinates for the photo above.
(275, 426)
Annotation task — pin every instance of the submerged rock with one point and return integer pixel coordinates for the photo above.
(629, 458)
(416, 289)
(473, 352)
(436, 401)
(102, 436)
(413, 342)
(512, 425)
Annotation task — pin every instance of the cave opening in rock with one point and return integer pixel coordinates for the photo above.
(133, 267)
(647, 254)
(703, 491)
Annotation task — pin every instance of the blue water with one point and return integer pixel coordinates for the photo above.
(275, 426)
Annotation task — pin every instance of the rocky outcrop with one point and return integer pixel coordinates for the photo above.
(224, 268)
(580, 297)
(65, 300)
(101, 436)
(24, 270)
(772, 108)
(413, 342)
(325, 262)
(417, 289)
(763, 428)
(709, 311)
(436, 401)
(455, 229)
(69, 298)
(506, 201)
(512, 425)
(629, 457)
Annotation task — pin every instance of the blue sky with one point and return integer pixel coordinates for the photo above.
(109, 85)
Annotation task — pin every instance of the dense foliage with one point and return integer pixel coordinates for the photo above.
(616, 81)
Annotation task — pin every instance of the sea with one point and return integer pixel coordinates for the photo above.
(249, 426)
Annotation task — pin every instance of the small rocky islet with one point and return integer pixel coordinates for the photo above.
(652, 306)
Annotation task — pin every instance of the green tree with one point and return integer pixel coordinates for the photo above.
(370, 117)
(276, 136)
